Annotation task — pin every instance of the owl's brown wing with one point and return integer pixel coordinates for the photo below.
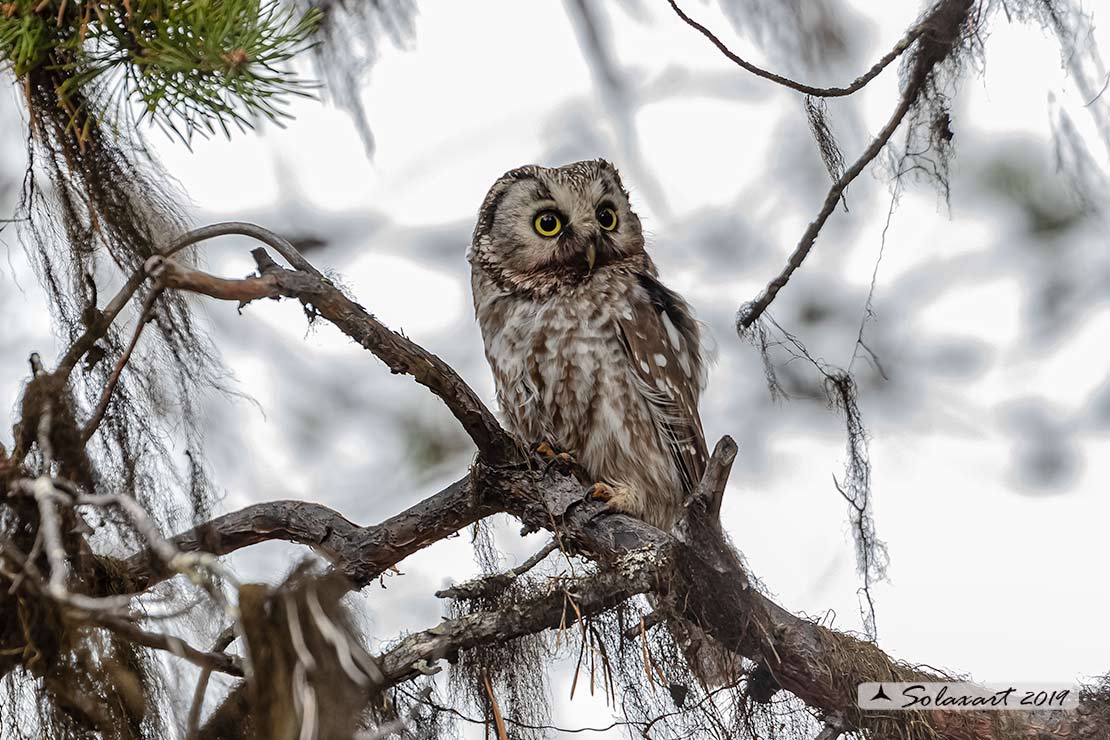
(664, 352)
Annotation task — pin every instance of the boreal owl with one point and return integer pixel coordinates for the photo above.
(591, 353)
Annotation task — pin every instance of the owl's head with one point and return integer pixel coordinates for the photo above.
(543, 228)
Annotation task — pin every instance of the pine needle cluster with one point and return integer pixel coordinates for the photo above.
(189, 64)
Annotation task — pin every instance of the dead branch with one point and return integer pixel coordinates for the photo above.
(694, 567)
(145, 317)
(214, 660)
(945, 25)
(417, 654)
(936, 36)
(492, 584)
(710, 491)
(362, 553)
(398, 352)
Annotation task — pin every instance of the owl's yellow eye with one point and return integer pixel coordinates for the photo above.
(607, 218)
(548, 223)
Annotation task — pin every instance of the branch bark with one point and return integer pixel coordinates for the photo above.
(362, 553)
(818, 665)
(402, 355)
(694, 567)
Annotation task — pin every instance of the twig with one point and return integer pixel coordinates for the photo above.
(646, 622)
(98, 328)
(201, 568)
(710, 491)
(488, 585)
(821, 92)
(291, 254)
(398, 352)
(497, 718)
(214, 660)
(516, 723)
(106, 395)
(223, 640)
(43, 490)
(940, 40)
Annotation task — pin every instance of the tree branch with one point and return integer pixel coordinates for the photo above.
(362, 553)
(493, 584)
(819, 92)
(710, 491)
(818, 665)
(694, 568)
(398, 352)
(417, 653)
(937, 35)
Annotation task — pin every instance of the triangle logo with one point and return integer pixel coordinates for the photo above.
(880, 694)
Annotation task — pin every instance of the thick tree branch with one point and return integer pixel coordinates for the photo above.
(694, 567)
(818, 665)
(362, 553)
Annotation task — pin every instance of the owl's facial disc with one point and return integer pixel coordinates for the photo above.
(556, 227)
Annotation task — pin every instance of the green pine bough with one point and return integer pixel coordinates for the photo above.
(190, 65)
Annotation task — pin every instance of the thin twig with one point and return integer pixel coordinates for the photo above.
(106, 395)
(498, 581)
(99, 327)
(214, 660)
(941, 41)
(498, 720)
(223, 640)
(821, 92)
(943, 26)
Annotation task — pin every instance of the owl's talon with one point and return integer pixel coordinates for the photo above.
(615, 498)
(601, 492)
(562, 461)
(544, 449)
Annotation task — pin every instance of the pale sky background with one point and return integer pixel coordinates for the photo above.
(992, 564)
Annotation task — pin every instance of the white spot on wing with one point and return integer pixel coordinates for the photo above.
(672, 333)
(660, 360)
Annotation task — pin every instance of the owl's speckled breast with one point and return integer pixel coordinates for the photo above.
(563, 376)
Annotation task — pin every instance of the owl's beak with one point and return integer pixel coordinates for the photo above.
(591, 255)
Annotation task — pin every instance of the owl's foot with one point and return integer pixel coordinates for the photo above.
(564, 461)
(617, 498)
